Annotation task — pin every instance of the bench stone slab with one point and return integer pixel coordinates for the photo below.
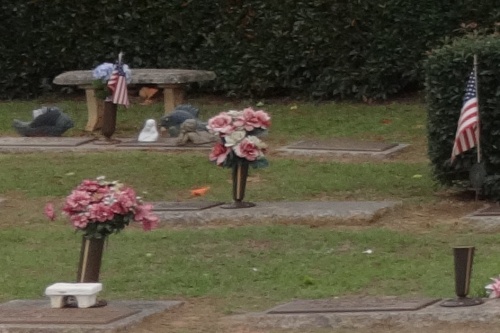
(85, 293)
(141, 76)
(172, 81)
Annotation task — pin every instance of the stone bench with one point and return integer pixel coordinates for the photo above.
(84, 293)
(172, 81)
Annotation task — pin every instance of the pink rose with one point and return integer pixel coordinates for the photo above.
(79, 221)
(100, 213)
(222, 123)
(219, 153)
(255, 119)
(89, 185)
(149, 222)
(117, 208)
(50, 212)
(76, 201)
(144, 215)
(141, 211)
(247, 149)
(127, 199)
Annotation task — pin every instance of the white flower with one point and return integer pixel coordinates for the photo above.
(234, 138)
(234, 113)
(257, 142)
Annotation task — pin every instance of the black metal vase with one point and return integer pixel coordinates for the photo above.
(108, 124)
(90, 260)
(463, 257)
(239, 178)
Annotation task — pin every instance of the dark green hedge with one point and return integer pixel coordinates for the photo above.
(447, 70)
(317, 48)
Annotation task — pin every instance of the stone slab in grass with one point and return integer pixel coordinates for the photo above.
(493, 210)
(37, 316)
(43, 141)
(486, 218)
(354, 304)
(383, 318)
(335, 212)
(343, 146)
(184, 206)
(169, 143)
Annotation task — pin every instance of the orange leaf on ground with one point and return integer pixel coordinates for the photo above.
(198, 192)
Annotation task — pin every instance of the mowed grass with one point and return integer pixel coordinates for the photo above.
(163, 176)
(248, 266)
(389, 122)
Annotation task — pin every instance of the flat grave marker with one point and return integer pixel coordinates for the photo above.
(184, 206)
(162, 142)
(44, 141)
(343, 144)
(34, 314)
(355, 304)
(21, 316)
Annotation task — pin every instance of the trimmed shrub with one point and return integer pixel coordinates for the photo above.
(447, 70)
(316, 48)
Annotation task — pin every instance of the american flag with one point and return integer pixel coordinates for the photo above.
(118, 85)
(467, 135)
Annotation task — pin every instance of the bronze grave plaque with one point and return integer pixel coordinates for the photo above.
(44, 141)
(343, 144)
(354, 304)
(35, 314)
(184, 206)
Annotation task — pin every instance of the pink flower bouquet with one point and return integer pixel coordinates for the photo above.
(493, 289)
(100, 208)
(239, 132)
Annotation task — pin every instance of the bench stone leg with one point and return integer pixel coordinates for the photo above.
(95, 109)
(173, 95)
(56, 302)
(86, 301)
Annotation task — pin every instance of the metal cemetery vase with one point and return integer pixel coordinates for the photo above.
(90, 260)
(239, 177)
(463, 259)
(109, 120)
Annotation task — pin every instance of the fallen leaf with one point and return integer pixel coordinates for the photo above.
(198, 192)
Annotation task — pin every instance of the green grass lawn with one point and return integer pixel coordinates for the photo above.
(251, 266)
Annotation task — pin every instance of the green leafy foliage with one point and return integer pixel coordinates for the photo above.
(318, 48)
(447, 70)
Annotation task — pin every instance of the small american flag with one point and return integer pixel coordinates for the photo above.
(118, 85)
(467, 135)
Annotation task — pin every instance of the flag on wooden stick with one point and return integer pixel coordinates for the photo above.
(467, 135)
(118, 85)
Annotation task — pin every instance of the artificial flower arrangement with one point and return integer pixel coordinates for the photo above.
(493, 289)
(102, 74)
(238, 132)
(100, 208)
